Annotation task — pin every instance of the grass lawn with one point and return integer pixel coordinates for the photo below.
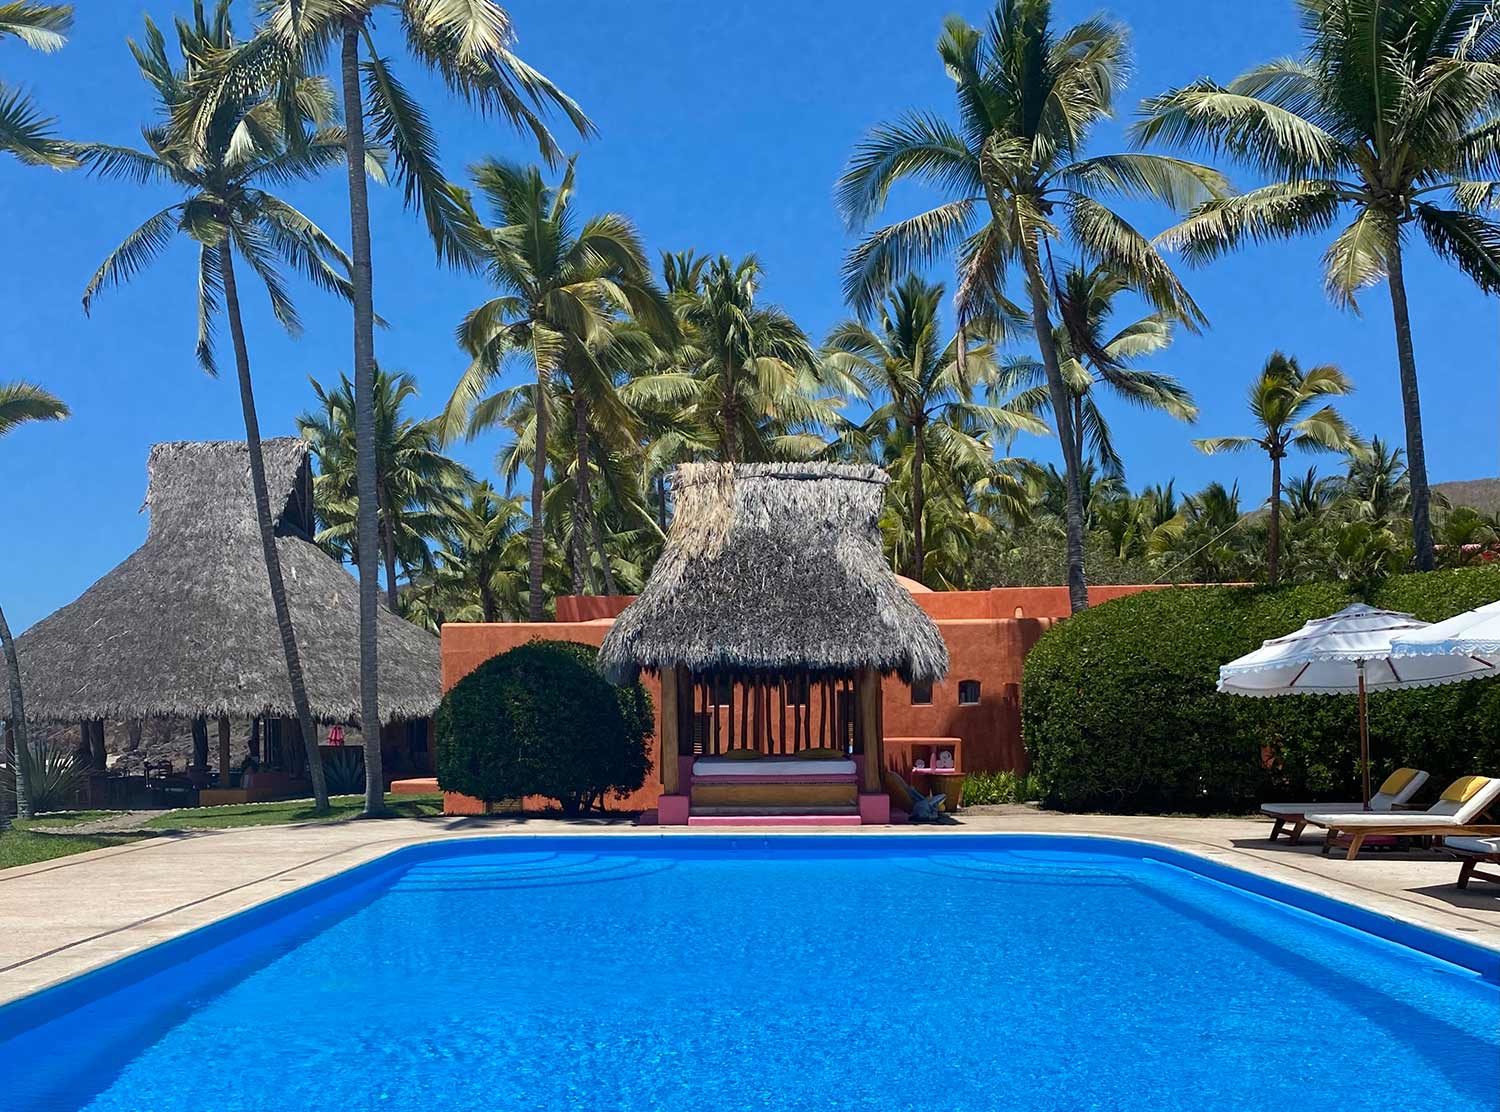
(344, 807)
(22, 846)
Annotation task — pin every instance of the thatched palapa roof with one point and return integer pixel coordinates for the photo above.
(775, 568)
(185, 627)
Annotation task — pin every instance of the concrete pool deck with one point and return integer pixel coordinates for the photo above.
(63, 917)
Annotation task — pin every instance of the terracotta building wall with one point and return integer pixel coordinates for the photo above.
(988, 634)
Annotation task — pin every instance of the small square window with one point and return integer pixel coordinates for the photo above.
(968, 693)
(921, 694)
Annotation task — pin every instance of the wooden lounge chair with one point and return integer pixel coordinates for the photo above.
(1398, 789)
(1458, 813)
(1474, 852)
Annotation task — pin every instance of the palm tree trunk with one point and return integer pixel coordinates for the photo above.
(537, 542)
(1057, 391)
(17, 719)
(388, 541)
(1411, 407)
(728, 414)
(582, 572)
(1273, 558)
(918, 498)
(367, 525)
(610, 587)
(661, 501)
(267, 529)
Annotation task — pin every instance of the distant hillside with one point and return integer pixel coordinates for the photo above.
(1482, 494)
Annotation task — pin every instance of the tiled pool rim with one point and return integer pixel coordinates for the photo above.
(48, 1003)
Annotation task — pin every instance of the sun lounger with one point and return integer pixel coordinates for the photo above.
(1398, 788)
(1474, 852)
(1458, 813)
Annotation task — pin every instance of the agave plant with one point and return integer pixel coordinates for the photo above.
(54, 775)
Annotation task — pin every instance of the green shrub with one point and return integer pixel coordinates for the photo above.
(541, 720)
(1003, 786)
(1119, 710)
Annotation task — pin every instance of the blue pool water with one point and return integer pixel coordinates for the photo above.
(695, 974)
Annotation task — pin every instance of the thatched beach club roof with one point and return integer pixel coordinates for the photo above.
(185, 628)
(775, 568)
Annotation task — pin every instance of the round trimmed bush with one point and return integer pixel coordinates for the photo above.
(1119, 710)
(541, 720)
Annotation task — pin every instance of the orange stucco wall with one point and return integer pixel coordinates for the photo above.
(988, 633)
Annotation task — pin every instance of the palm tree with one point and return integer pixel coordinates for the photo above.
(1028, 97)
(469, 45)
(226, 208)
(483, 553)
(564, 286)
(1388, 121)
(416, 484)
(20, 403)
(1096, 359)
(1282, 398)
(930, 391)
(24, 131)
(761, 390)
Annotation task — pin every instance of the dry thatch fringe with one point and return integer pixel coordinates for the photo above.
(775, 567)
(185, 627)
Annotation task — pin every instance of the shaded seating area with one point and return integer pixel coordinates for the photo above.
(771, 620)
(184, 629)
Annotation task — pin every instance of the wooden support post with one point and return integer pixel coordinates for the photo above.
(670, 713)
(224, 751)
(868, 725)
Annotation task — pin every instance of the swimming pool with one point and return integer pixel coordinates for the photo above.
(792, 972)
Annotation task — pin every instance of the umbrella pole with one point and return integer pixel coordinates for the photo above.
(1364, 737)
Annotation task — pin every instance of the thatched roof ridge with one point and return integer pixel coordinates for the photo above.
(775, 567)
(184, 626)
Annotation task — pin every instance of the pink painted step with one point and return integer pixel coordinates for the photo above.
(773, 820)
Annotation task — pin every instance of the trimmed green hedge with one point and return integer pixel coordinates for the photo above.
(1119, 711)
(541, 720)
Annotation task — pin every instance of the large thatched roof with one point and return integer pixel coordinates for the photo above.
(184, 627)
(771, 568)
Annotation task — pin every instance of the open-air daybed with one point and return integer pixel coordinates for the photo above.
(1398, 789)
(1457, 813)
(772, 618)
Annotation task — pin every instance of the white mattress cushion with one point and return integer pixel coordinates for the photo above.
(1321, 808)
(1414, 819)
(719, 766)
(1474, 845)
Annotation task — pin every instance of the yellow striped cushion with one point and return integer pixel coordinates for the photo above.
(820, 755)
(1464, 789)
(745, 754)
(1396, 782)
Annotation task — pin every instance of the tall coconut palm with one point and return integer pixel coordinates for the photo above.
(484, 551)
(227, 209)
(1282, 401)
(415, 482)
(1028, 97)
(1096, 359)
(760, 386)
(564, 285)
(24, 131)
(21, 403)
(469, 45)
(1389, 121)
(929, 391)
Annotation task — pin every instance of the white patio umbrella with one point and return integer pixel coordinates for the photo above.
(1472, 635)
(1346, 653)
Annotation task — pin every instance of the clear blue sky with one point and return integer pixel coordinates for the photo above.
(723, 128)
